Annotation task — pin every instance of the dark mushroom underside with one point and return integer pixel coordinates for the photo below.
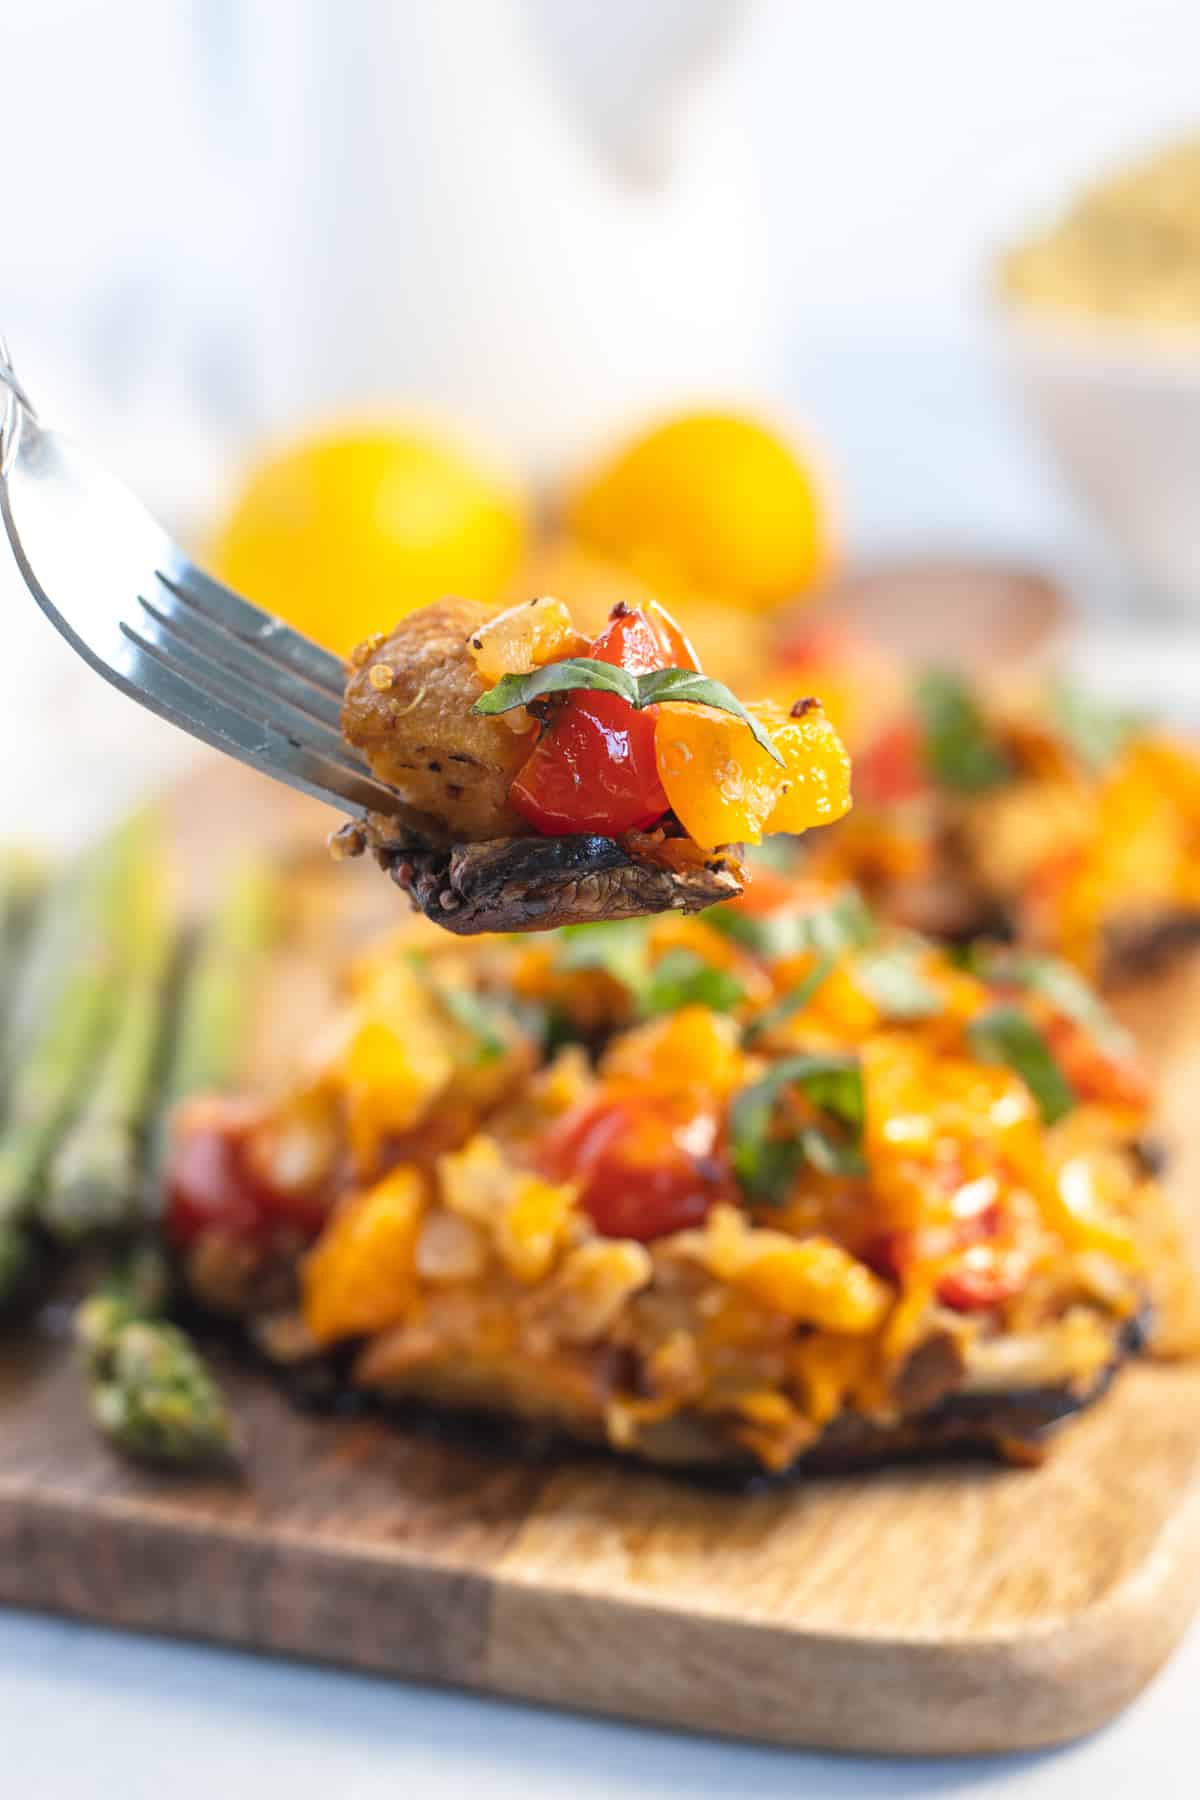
(537, 883)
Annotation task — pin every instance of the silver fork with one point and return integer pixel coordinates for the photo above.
(145, 617)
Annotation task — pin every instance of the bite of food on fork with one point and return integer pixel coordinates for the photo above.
(545, 780)
(508, 773)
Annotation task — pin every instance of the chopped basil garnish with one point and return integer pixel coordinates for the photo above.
(765, 1163)
(789, 1004)
(477, 1017)
(1069, 994)
(891, 977)
(960, 751)
(682, 978)
(617, 947)
(1005, 1034)
(621, 949)
(845, 924)
(639, 691)
(1065, 989)
(1093, 729)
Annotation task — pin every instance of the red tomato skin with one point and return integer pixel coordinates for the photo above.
(890, 769)
(977, 1288)
(676, 645)
(628, 1195)
(594, 769)
(207, 1188)
(212, 1188)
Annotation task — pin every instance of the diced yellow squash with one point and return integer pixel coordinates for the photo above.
(725, 789)
(814, 1281)
(358, 1278)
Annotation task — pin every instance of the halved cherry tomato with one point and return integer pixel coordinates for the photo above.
(594, 768)
(983, 1279)
(644, 1168)
(212, 1185)
(676, 644)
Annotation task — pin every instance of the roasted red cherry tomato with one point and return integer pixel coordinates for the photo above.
(213, 1187)
(983, 1279)
(644, 1169)
(594, 768)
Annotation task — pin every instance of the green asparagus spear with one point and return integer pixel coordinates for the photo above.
(94, 1180)
(21, 881)
(149, 1390)
(20, 1258)
(60, 1016)
(217, 995)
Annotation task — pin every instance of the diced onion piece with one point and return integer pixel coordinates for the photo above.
(359, 1278)
(525, 637)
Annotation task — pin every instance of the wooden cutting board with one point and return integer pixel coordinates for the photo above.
(926, 1609)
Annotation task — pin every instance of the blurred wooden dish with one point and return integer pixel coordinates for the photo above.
(973, 614)
(946, 1607)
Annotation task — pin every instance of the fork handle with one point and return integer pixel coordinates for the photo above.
(17, 408)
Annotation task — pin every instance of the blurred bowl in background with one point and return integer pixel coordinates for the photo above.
(1120, 411)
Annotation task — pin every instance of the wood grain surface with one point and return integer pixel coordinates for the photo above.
(943, 1608)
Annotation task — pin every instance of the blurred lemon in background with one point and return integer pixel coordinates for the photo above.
(343, 533)
(708, 502)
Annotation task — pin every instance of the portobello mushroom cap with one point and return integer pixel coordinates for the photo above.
(537, 883)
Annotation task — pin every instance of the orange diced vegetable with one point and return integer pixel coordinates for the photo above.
(359, 1276)
(814, 1281)
(725, 789)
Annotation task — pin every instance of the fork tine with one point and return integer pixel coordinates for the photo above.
(148, 673)
(261, 630)
(188, 625)
(238, 687)
(195, 653)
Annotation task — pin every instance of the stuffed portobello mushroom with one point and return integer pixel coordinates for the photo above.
(775, 1188)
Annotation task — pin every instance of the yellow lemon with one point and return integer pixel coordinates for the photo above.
(708, 501)
(342, 534)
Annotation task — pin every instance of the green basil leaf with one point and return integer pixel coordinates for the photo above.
(618, 947)
(556, 678)
(1005, 1034)
(1093, 729)
(960, 751)
(891, 978)
(765, 1165)
(701, 690)
(682, 978)
(830, 1155)
(621, 949)
(476, 1017)
(640, 691)
(846, 923)
(789, 1004)
(1070, 995)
